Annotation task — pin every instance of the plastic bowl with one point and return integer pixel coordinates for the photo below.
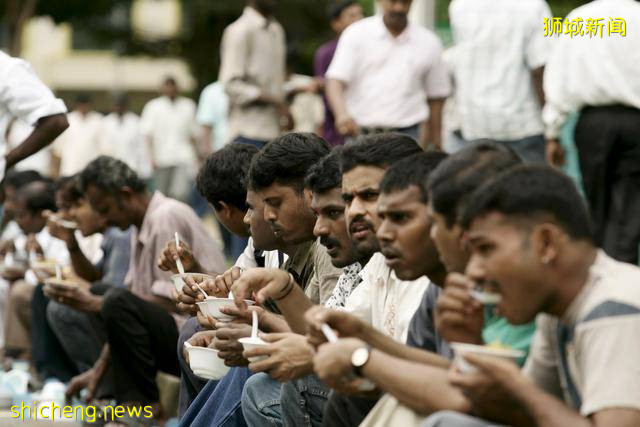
(205, 363)
(211, 307)
(250, 343)
(482, 350)
(178, 279)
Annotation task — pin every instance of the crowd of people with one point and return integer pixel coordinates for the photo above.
(376, 279)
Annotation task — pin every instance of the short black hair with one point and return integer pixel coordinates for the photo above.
(110, 175)
(68, 185)
(380, 150)
(453, 181)
(38, 196)
(223, 176)
(170, 80)
(336, 7)
(325, 175)
(413, 170)
(286, 160)
(83, 98)
(17, 179)
(529, 191)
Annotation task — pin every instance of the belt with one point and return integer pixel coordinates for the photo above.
(366, 130)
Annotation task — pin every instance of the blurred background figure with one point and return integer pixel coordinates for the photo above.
(252, 69)
(341, 14)
(79, 144)
(301, 94)
(212, 116)
(122, 137)
(168, 124)
(497, 62)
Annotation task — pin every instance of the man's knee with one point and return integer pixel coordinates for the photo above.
(452, 419)
(251, 391)
(113, 303)
(21, 292)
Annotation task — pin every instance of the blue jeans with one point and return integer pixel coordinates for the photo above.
(261, 401)
(218, 404)
(456, 419)
(190, 383)
(531, 148)
(303, 401)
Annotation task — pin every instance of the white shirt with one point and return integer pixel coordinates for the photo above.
(170, 125)
(496, 45)
(23, 96)
(584, 71)
(122, 139)
(389, 79)
(52, 249)
(80, 143)
(384, 301)
(40, 161)
(213, 110)
(247, 258)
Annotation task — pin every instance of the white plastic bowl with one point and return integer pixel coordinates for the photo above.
(250, 343)
(61, 283)
(205, 363)
(211, 307)
(482, 350)
(178, 279)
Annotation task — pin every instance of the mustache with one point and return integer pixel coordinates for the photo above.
(360, 222)
(327, 241)
(389, 252)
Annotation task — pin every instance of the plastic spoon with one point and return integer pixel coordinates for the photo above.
(328, 333)
(178, 261)
(254, 325)
(187, 345)
(58, 272)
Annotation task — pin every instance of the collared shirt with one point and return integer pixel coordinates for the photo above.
(253, 64)
(389, 78)
(589, 356)
(170, 125)
(321, 61)
(496, 45)
(80, 143)
(23, 96)
(347, 282)
(596, 71)
(247, 259)
(384, 301)
(164, 217)
(122, 139)
(116, 247)
(213, 110)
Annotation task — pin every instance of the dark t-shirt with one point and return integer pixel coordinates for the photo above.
(422, 329)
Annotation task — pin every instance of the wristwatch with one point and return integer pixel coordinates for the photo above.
(359, 358)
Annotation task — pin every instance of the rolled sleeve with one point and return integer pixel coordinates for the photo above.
(26, 97)
(438, 82)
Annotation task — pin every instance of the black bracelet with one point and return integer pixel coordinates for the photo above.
(288, 288)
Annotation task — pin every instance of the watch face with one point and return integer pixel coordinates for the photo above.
(360, 357)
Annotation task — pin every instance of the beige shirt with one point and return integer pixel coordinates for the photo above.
(80, 143)
(163, 218)
(253, 64)
(589, 357)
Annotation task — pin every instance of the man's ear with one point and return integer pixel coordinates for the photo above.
(126, 193)
(545, 240)
(225, 210)
(308, 195)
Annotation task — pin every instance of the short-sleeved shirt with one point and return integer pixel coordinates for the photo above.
(23, 95)
(164, 217)
(496, 45)
(589, 356)
(80, 143)
(116, 247)
(170, 125)
(389, 79)
(384, 301)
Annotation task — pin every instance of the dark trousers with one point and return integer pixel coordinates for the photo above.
(49, 357)
(142, 337)
(608, 142)
(190, 383)
(346, 411)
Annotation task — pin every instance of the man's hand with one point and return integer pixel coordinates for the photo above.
(332, 364)
(347, 126)
(7, 246)
(58, 231)
(32, 245)
(88, 379)
(226, 342)
(264, 282)
(222, 284)
(290, 356)
(199, 339)
(79, 298)
(555, 153)
(190, 295)
(345, 324)
(170, 254)
(459, 317)
(492, 385)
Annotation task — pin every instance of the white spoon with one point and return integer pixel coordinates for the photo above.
(178, 261)
(58, 272)
(328, 333)
(254, 325)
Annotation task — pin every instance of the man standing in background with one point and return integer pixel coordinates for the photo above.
(168, 126)
(212, 116)
(342, 13)
(497, 61)
(253, 55)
